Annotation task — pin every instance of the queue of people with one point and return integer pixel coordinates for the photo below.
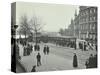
(36, 47)
(46, 50)
(71, 44)
(91, 62)
(87, 46)
(27, 49)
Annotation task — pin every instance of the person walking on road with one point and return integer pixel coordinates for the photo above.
(75, 63)
(38, 59)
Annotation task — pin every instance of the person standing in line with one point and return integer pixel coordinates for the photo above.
(38, 59)
(75, 45)
(87, 63)
(24, 51)
(91, 61)
(35, 47)
(84, 46)
(79, 45)
(30, 48)
(47, 50)
(95, 61)
(44, 50)
(96, 47)
(75, 63)
(38, 47)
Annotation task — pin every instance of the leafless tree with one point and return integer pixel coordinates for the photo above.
(24, 26)
(36, 26)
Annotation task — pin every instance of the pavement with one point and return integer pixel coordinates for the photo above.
(19, 67)
(59, 58)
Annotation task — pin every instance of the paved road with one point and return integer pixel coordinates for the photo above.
(19, 68)
(68, 53)
(60, 58)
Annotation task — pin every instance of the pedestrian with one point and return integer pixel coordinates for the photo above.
(38, 59)
(96, 47)
(75, 63)
(75, 45)
(87, 63)
(47, 50)
(95, 61)
(24, 51)
(84, 46)
(33, 69)
(35, 47)
(44, 50)
(38, 47)
(79, 45)
(31, 48)
(91, 61)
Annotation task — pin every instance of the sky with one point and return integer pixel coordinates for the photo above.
(54, 16)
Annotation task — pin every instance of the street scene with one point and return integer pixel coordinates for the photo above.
(53, 37)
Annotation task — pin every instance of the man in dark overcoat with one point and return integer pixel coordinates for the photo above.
(38, 59)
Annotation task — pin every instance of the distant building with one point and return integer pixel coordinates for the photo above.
(76, 25)
(70, 30)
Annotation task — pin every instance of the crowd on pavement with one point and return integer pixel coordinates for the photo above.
(28, 48)
(91, 62)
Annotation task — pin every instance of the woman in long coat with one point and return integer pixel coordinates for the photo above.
(75, 63)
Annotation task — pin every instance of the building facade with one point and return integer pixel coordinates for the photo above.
(88, 23)
(84, 24)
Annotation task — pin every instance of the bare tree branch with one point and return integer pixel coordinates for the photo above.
(24, 26)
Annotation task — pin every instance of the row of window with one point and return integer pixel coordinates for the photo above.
(86, 12)
(92, 18)
(83, 20)
(86, 26)
(91, 36)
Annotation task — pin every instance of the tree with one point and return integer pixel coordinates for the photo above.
(36, 26)
(61, 31)
(24, 26)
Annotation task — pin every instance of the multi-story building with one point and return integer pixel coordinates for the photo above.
(84, 24)
(88, 23)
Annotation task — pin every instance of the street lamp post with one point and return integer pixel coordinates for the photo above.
(13, 47)
(13, 31)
